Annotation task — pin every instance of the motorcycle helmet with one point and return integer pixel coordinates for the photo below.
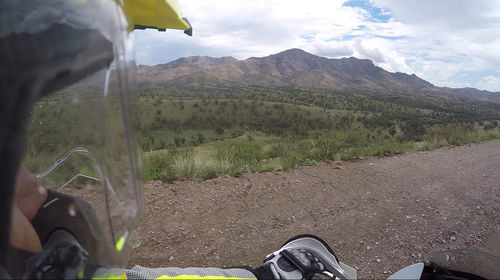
(68, 113)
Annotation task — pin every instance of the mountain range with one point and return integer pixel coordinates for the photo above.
(300, 70)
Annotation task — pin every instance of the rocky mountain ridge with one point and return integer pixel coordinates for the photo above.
(296, 69)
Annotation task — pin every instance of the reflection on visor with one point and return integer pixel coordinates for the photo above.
(77, 174)
(60, 161)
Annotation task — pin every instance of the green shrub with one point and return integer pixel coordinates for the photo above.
(184, 164)
(207, 172)
(157, 164)
(289, 161)
(309, 162)
(489, 136)
(326, 148)
(455, 140)
(241, 153)
(430, 146)
(261, 153)
(265, 165)
(489, 126)
(236, 171)
(276, 151)
(350, 154)
(167, 175)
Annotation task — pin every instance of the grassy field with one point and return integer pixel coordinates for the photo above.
(254, 152)
(204, 135)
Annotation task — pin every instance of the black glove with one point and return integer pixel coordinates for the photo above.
(64, 258)
(304, 257)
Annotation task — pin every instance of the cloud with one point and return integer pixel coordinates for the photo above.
(490, 83)
(332, 49)
(452, 15)
(252, 28)
(446, 38)
(369, 51)
(437, 40)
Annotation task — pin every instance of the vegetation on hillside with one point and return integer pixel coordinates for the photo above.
(190, 134)
(232, 131)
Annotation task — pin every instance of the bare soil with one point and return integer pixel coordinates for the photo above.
(377, 214)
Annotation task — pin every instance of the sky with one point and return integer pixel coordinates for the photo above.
(454, 43)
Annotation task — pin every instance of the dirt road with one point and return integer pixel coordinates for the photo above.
(378, 215)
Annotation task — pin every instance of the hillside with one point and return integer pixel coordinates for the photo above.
(203, 117)
(482, 95)
(298, 70)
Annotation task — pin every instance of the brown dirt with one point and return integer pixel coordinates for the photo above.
(378, 214)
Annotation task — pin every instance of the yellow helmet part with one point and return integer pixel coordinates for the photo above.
(159, 14)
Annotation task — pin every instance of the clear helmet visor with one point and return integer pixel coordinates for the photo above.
(81, 142)
(81, 139)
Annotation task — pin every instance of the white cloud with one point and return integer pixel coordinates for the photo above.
(451, 15)
(331, 49)
(437, 40)
(369, 51)
(445, 38)
(490, 83)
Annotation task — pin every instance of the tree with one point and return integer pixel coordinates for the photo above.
(200, 138)
(219, 130)
(177, 141)
(392, 130)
